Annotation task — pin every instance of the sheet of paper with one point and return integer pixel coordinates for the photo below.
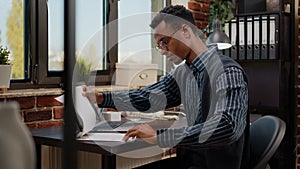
(85, 111)
(60, 98)
(104, 137)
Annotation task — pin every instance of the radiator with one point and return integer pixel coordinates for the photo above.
(51, 158)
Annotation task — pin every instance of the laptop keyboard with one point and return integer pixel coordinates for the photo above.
(115, 124)
(107, 125)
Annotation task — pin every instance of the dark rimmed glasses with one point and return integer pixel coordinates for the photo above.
(162, 44)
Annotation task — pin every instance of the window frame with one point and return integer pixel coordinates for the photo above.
(36, 47)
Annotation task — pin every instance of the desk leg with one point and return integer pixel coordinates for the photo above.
(38, 149)
(109, 161)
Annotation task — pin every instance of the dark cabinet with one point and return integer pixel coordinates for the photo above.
(263, 45)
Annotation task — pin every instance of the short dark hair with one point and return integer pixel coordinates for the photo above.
(169, 15)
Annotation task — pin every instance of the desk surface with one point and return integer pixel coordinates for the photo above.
(53, 136)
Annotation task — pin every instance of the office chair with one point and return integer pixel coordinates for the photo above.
(266, 134)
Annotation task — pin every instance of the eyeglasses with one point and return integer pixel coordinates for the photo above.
(162, 44)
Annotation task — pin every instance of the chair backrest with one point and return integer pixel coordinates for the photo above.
(266, 134)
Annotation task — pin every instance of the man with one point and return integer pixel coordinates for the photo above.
(211, 87)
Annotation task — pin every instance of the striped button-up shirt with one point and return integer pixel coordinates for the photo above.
(222, 123)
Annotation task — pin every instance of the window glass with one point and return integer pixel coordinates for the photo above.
(12, 34)
(89, 22)
(135, 43)
(180, 2)
(55, 35)
(134, 31)
(89, 32)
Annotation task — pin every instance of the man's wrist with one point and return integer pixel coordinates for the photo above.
(99, 98)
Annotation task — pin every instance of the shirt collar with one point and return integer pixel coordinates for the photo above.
(202, 59)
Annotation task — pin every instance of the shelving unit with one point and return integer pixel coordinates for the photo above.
(261, 43)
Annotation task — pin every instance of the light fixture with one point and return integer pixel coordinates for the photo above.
(218, 36)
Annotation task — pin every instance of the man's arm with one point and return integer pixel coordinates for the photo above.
(92, 94)
(158, 96)
(226, 124)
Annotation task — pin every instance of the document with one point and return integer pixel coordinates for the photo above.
(85, 112)
(104, 137)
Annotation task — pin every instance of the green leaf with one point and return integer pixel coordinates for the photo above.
(4, 55)
(221, 9)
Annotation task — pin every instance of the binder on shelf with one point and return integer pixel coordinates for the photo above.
(272, 42)
(233, 37)
(253, 37)
(264, 36)
(241, 41)
(249, 49)
(256, 39)
(226, 30)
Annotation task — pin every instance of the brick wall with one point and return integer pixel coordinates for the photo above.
(200, 9)
(38, 111)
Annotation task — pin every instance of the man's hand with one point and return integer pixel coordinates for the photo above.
(92, 94)
(143, 131)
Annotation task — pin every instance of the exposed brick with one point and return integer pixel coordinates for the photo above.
(193, 5)
(47, 101)
(32, 125)
(37, 115)
(198, 24)
(58, 113)
(50, 124)
(201, 24)
(205, 8)
(24, 102)
(205, 1)
(199, 15)
(200, 10)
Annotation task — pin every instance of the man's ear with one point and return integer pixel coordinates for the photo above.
(186, 31)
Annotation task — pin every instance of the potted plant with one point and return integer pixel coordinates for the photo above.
(5, 68)
(221, 10)
(83, 70)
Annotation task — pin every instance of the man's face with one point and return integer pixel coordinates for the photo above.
(170, 42)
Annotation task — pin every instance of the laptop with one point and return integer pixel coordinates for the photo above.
(91, 120)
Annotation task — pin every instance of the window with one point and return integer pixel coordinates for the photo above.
(91, 38)
(55, 35)
(135, 41)
(12, 35)
(46, 38)
(37, 45)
